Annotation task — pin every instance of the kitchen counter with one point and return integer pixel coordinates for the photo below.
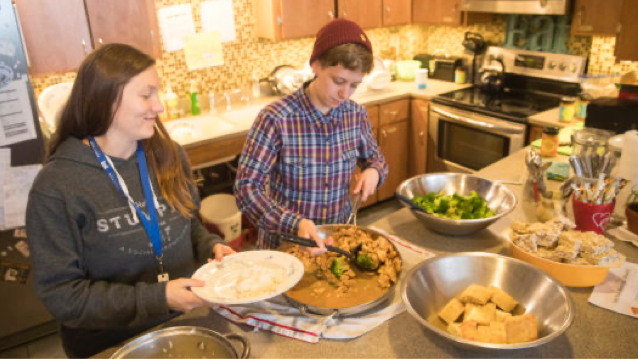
(595, 333)
(237, 122)
(549, 118)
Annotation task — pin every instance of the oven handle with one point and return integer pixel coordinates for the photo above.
(486, 125)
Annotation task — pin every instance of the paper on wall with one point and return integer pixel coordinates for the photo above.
(5, 164)
(17, 184)
(203, 50)
(16, 114)
(175, 23)
(217, 15)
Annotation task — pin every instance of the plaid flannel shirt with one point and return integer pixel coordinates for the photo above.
(297, 163)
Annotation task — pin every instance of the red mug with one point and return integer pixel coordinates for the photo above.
(592, 217)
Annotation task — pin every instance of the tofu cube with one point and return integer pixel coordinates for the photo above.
(452, 310)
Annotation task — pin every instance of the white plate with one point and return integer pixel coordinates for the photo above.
(615, 143)
(248, 277)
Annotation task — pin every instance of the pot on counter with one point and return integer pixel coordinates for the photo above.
(492, 80)
(313, 309)
(183, 342)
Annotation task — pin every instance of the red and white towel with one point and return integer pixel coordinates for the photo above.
(279, 317)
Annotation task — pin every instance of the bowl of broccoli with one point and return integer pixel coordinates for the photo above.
(455, 203)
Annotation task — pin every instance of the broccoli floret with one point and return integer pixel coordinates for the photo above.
(338, 267)
(364, 260)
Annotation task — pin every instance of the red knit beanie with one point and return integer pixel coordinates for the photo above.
(338, 32)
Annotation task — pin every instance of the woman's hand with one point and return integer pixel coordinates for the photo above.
(367, 183)
(307, 229)
(180, 298)
(220, 251)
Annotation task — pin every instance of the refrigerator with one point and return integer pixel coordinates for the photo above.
(22, 316)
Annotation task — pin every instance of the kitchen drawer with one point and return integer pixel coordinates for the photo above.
(208, 153)
(373, 116)
(394, 111)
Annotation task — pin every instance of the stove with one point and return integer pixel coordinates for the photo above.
(470, 129)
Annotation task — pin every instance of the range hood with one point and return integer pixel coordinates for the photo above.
(529, 7)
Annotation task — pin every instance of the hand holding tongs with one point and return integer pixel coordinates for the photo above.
(307, 242)
(352, 219)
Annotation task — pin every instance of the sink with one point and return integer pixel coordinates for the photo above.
(242, 119)
(194, 129)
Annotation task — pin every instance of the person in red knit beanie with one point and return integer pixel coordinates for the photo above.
(301, 153)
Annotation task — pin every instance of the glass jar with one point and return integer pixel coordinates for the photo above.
(567, 109)
(549, 142)
(590, 140)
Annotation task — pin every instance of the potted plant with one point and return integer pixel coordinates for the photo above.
(631, 211)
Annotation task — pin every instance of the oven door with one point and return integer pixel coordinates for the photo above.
(464, 141)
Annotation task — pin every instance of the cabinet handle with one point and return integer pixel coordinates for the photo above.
(279, 20)
(152, 35)
(84, 47)
(384, 133)
(331, 15)
(392, 113)
(387, 9)
(422, 138)
(343, 14)
(100, 41)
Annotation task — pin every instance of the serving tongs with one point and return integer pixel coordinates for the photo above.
(307, 242)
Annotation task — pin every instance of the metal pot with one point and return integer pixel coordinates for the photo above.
(183, 342)
(285, 79)
(311, 310)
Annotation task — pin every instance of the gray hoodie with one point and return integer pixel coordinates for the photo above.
(93, 264)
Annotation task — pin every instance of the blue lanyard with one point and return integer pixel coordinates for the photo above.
(152, 227)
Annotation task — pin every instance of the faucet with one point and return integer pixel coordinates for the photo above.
(246, 99)
(227, 97)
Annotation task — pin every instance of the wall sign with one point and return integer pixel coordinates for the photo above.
(537, 33)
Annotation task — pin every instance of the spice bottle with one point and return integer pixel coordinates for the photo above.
(567, 109)
(581, 106)
(460, 75)
(549, 142)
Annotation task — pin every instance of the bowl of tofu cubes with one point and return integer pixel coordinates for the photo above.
(487, 301)
(575, 258)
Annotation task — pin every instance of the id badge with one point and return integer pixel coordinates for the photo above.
(162, 277)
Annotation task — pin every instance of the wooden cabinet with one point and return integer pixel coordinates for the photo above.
(58, 34)
(535, 132)
(595, 17)
(366, 13)
(373, 117)
(126, 22)
(445, 12)
(393, 141)
(626, 48)
(396, 12)
(203, 155)
(290, 19)
(418, 137)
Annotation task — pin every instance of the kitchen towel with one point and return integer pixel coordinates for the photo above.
(278, 316)
(619, 291)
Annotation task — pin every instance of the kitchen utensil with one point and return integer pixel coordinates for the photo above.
(307, 242)
(405, 200)
(352, 219)
(577, 165)
(492, 80)
(571, 275)
(183, 342)
(311, 310)
(429, 286)
(285, 79)
(500, 199)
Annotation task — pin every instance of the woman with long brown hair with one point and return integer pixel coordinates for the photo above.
(111, 218)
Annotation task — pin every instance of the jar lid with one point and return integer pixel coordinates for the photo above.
(551, 130)
(585, 97)
(567, 99)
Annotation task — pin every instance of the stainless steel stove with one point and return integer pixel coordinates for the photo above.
(470, 129)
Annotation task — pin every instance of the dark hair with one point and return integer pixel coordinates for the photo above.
(96, 96)
(354, 57)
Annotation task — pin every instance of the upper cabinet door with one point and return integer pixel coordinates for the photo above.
(132, 22)
(366, 13)
(397, 12)
(626, 48)
(302, 18)
(56, 33)
(437, 12)
(595, 17)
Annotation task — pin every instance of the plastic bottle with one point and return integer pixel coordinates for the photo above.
(255, 88)
(549, 142)
(195, 106)
(421, 78)
(211, 102)
(172, 104)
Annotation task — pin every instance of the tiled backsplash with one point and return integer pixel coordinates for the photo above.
(248, 53)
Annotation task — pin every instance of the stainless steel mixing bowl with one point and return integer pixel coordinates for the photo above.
(500, 199)
(431, 284)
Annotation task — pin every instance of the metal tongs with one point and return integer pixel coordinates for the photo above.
(307, 242)
(352, 219)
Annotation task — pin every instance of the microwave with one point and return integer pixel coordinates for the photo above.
(529, 7)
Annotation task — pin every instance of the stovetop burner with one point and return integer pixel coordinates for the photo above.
(514, 105)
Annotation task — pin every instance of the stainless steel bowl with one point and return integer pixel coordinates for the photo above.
(183, 342)
(431, 284)
(500, 199)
